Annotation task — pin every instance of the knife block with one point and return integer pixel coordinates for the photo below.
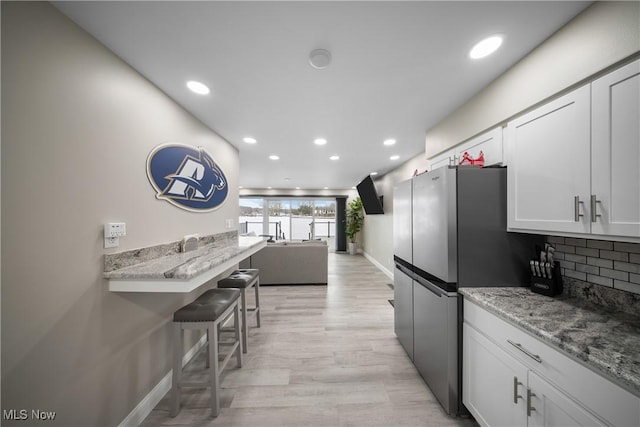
(548, 287)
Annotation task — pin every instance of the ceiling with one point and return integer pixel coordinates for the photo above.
(397, 69)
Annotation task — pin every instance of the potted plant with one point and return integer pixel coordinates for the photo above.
(355, 220)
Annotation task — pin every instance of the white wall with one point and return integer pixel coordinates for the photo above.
(598, 38)
(77, 126)
(605, 33)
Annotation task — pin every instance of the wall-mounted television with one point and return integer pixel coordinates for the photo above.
(371, 203)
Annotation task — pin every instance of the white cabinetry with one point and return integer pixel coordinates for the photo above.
(574, 162)
(549, 407)
(615, 158)
(444, 159)
(493, 383)
(490, 143)
(510, 378)
(548, 174)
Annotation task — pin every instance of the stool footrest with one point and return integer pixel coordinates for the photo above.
(234, 347)
(194, 384)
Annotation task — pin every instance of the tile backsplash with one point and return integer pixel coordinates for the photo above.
(611, 264)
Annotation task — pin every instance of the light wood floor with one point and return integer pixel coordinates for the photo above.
(324, 356)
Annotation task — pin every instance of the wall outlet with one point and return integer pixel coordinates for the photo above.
(111, 242)
(229, 223)
(115, 229)
(112, 233)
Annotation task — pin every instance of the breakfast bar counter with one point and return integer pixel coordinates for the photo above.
(165, 269)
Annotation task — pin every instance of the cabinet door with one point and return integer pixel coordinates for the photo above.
(444, 159)
(551, 407)
(490, 143)
(616, 152)
(493, 382)
(548, 184)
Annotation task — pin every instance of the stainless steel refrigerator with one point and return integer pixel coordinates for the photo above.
(449, 232)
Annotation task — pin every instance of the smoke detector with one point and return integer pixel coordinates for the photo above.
(320, 58)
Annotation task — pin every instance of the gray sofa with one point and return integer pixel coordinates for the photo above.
(290, 263)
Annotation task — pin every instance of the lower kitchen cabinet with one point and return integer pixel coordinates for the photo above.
(509, 378)
(548, 406)
(500, 391)
(492, 382)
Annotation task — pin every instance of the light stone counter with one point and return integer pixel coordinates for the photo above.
(603, 339)
(162, 269)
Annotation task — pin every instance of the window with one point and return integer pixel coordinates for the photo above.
(251, 216)
(288, 218)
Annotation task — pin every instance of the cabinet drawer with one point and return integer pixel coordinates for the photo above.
(606, 399)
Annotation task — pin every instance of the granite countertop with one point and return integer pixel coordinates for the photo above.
(185, 265)
(604, 340)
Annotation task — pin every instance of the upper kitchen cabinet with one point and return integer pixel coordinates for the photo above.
(448, 158)
(574, 162)
(615, 158)
(489, 143)
(549, 161)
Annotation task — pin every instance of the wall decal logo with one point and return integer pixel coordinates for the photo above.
(186, 177)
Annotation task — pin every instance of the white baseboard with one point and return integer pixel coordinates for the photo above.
(151, 400)
(377, 264)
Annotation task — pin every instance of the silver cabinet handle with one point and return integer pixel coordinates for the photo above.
(525, 351)
(594, 214)
(530, 408)
(576, 209)
(516, 396)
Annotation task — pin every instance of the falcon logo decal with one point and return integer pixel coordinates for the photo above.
(186, 177)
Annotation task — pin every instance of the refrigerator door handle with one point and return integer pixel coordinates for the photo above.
(430, 287)
(405, 270)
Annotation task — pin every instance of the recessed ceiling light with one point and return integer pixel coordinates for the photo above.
(485, 47)
(334, 158)
(320, 141)
(269, 188)
(320, 58)
(249, 140)
(394, 157)
(274, 157)
(240, 186)
(297, 188)
(326, 188)
(197, 87)
(373, 173)
(389, 141)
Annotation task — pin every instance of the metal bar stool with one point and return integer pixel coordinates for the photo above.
(208, 311)
(244, 279)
